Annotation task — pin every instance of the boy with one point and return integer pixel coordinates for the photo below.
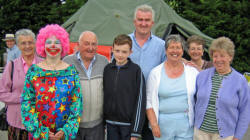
(124, 93)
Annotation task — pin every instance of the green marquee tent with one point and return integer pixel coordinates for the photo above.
(108, 18)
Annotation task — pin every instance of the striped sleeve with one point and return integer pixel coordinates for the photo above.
(140, 110)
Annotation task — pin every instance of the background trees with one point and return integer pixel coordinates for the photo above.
(221, 18)
(213, 17)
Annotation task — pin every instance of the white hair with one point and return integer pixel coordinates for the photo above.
(24, 32)
(84, 32)
(144, 8)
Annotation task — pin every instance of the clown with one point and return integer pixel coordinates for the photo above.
(51, 98)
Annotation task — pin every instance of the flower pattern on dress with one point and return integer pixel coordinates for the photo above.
(51, 101)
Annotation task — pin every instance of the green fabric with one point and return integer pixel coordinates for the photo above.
(108, 18)
(64, 92)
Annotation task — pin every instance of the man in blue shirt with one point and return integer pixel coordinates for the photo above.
(12, 51)
(148, 49)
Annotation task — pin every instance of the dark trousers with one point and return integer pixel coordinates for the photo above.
(146, 132)
(118, 132)
(95, 133)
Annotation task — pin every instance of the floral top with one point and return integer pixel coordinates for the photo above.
(51, 101)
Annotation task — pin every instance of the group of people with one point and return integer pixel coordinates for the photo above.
(147, 90)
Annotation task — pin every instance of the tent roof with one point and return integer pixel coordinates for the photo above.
(108, 18)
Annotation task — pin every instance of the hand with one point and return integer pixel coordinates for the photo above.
(192, 64)
(156, 131)
(51, 136)
(133, 138)
(235, 138)
(59, 135)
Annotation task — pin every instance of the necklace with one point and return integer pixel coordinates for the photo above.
(53, 66)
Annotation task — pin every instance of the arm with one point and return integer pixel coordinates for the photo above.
(6, 95)
(153, 122)
(28, 111)
(71, 127)
(150, 111)
(243, 107)
(192, 64)
(139, 112)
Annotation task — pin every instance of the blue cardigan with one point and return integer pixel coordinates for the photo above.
(232, 103)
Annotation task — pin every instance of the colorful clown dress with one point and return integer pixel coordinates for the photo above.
(51, 101)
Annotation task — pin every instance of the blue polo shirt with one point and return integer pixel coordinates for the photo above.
(150, 55)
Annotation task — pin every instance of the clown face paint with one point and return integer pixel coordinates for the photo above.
(53, 46)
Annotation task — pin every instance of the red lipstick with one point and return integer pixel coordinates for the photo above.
(53, 51)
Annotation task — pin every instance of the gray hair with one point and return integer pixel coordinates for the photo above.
(84, 32)
(145, 8)
(24, 32)
(222, 43)
(175, 38)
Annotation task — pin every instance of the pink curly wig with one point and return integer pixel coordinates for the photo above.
(52, 30)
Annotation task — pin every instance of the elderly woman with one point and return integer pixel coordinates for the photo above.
(51, 99)
(223, 97)
(11, 89)
(170, 95)
(196, 50)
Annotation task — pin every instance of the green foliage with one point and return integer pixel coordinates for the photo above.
(222, 18)
(175, 4)
(72, 6)
(27, 14)
(33, 14)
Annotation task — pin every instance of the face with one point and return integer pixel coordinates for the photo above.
(10, 43)
(26, 45)
(88, 46)
(53, 47)
(174, 51)
(195, 51)
(143, 22)
(121, 53)
(221, 61)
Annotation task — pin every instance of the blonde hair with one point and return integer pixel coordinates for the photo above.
(222, 43)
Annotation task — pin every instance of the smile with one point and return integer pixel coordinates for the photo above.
(53, 51)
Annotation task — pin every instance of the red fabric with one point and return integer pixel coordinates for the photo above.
(103, 50)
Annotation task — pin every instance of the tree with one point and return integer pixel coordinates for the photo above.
(221, 18)
(33, 14)
(69, 8)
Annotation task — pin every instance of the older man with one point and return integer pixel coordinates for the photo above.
(148, 49)
(12, 51)
(90, 66)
